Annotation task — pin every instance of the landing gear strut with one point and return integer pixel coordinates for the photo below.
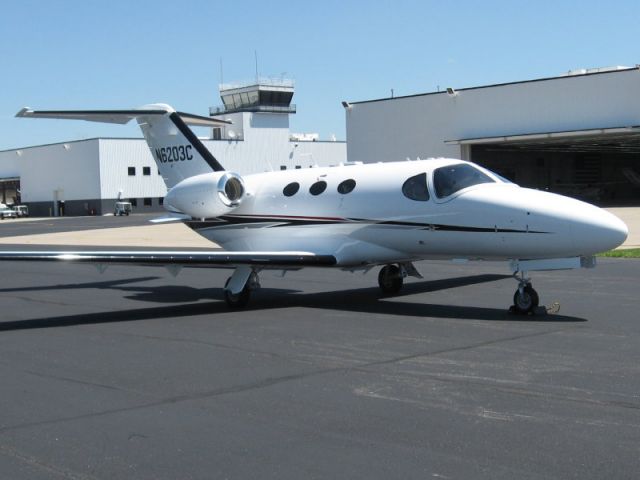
(526, 299)
(390, 279)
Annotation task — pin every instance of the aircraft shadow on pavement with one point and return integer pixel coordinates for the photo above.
(361, 300)
(78, 286)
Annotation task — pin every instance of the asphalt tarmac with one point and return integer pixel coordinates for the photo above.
(137, 374)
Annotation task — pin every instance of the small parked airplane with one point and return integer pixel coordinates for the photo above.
(353, 217)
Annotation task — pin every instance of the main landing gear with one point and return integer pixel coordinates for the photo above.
(526, 299)
(391, 277)
(238, 287)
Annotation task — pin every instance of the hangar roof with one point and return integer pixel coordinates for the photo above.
(562, 77)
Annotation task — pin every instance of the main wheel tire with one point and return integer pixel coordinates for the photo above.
(390, 280)
(527, 301)
(239, 300)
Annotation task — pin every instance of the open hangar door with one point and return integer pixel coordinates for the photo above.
(598, 166)
(10, 190)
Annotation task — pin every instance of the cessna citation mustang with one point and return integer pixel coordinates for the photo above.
(352, 217)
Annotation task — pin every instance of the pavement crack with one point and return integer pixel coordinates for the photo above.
(458, 349)
(75, 381)
(179, 399)
(52, 471)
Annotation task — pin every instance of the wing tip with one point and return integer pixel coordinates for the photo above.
(24, 112)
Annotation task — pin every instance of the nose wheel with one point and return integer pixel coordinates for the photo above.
(526, 299)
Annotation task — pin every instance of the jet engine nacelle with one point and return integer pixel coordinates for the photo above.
(206, 196)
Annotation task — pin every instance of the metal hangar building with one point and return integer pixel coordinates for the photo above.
(577, 134)
(85, 177)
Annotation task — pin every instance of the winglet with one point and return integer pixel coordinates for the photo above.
(25, 112)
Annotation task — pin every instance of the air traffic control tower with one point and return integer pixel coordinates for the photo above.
(263, 95)
(259, 111)
(258, 138)
(263, 103)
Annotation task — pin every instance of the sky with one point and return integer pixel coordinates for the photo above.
(90, 54)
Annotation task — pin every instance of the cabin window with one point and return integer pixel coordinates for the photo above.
(291, 189)
(131, 171)
(347, 186)
(415, 188)
(453, 178)
(318, 187)
(146, 170)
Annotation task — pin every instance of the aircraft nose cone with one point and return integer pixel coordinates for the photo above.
(599, 232)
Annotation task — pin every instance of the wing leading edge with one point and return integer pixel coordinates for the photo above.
(182, 258)
(119, 116)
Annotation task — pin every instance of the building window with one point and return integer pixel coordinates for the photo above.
(161, 201)
(283, 167)
(291, 189)
(347, 186)
(134, 202)
(146, 170)
(132, 171)
(147, 202)
(318, 187)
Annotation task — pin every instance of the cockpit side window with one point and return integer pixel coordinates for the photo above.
(452, 178)
(415, 188)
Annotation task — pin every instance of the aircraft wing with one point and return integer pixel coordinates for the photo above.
(179, 258)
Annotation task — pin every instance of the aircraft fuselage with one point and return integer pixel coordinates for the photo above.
(374, 221)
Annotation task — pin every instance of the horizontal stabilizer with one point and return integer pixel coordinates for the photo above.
(119, 116)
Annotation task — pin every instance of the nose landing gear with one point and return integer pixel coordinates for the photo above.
(526, 299)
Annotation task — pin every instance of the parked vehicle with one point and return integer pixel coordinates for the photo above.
(21, 210)
(122, 208)
(6, 212)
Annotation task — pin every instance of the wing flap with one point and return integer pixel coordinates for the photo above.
(184, 258)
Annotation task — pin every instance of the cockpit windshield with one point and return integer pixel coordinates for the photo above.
(452, 178)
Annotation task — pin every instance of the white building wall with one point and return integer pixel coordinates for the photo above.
(393, 129)
(116, 155)
(70, 169)
(265, 146)
(244, 157)
(10, 163)
(322, 154)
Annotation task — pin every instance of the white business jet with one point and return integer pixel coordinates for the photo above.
(353, 217)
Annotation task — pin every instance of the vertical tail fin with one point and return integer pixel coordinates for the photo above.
(177, 151)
